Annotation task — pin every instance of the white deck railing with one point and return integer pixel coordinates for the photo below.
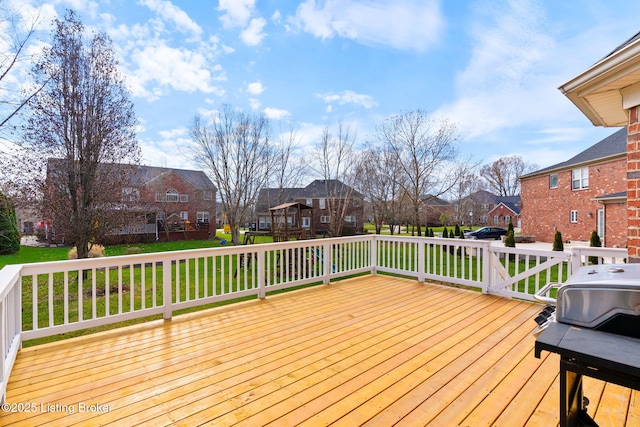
(43, 299)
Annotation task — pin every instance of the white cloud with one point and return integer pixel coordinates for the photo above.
(236, 12)
(170, 12)
(254, 103)
(160, 67)
(254, 34)
(511, 75)
(241, 14)
(255, 88)
(348, 97)
(275, 113)
(401, 24)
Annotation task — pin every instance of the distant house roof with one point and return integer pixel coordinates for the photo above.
(319, 188)
(612, 146)
(430, 200)
(513, 207)
(142, 175)
(198, 179)
(482, 196)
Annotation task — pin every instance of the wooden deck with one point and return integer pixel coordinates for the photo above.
(373, 350)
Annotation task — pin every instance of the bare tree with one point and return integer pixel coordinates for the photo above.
(335, 161)
(379, 174)
(236, 149)
(425, 149)
(503, 175)
(13, 43)
(288, 169)
(82, 125)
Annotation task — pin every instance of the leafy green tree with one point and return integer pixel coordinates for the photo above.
(9, 232)
(594, 242)
(557, 242)
(456, 231)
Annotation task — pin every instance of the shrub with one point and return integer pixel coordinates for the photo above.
(510, 240)
(510, 229)
(557, 242)
(456, 231)
(132, 250)
(96, 251)
(9, 232)
(594, 242)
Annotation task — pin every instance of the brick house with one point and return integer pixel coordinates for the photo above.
(320, 196)
(506, 210)
(582, 194)
(485, 208)
(608, 94)
(181, 198)
(157, 204)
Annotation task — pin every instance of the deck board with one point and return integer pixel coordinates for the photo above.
(373, 350)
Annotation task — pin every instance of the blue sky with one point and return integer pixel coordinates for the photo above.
(492, 67)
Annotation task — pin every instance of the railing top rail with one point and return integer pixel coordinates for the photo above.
(10, 275)
(534, 252)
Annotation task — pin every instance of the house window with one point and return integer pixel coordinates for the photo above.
(264, 222)
(350, 219)
(160, 216)
(202, 217)
(172, 195)
(357, 202)
(306, 222)
(207, 195)
(507, 219)
(184, 197)
(580, 178)
(496, 219)
(553, 180)
(323, 204)
(159, 197)
(184, 216)
(324, 219)
(485, 206)
(309, 202)
(573, 216)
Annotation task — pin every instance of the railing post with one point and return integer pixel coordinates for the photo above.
(262, 273)
(421, 260)
(327, 257)
(374, 254)
(487, 267)
(167, 291)
(576, 259)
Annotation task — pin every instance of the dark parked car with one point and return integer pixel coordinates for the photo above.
(488, 233)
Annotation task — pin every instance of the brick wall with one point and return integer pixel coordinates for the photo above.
(545, 210)
(195, 201)
(633, 184)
